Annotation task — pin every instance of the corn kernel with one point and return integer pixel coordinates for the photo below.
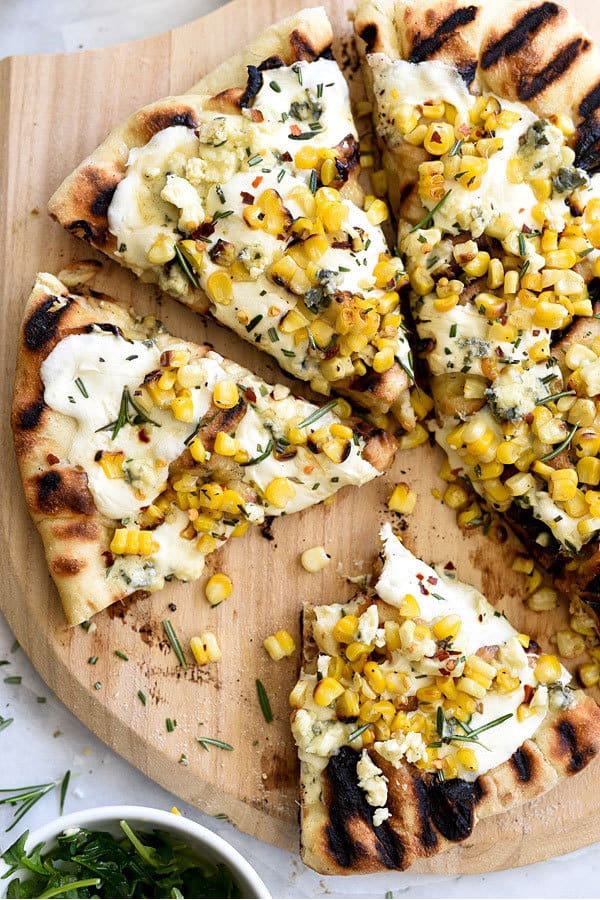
(345, 629)
(569, 643)
(467, 758)
(315, 559)
(220, 288)
(547, 669)
(403, 499)
(326, 691)
(218, 588)
(226, 394)
(279, 645)
(225, 445)
(375, 677)
(279, 492)
(589, 674)
(409, 607)
(205, 648)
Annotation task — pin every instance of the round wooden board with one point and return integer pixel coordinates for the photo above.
(56, 109)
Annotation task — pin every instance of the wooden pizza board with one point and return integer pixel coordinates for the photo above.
(56, 109)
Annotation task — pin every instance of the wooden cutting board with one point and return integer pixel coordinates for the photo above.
(56, 109)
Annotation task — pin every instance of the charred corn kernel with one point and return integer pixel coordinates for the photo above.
(455, 496)
(344, 630)
(292, 321)
(471, 687)
(547, 669)
(281, 644)
(569, 644)
(414, 438)
(205, 648)
(383, 360)
(279, 492)
(447, 628)
(403, 499)
(478, 670)
(421, 402)
(326, 691)
(336, 449)
(429, 694)
(162, 250)
(355, 650)
(421, 281)
(296, 436)
(183, 408)
(400, 722)
(298, 695)
(439, 138)
(478, 266)
(306, 158)
(375, 677)
(445, 304)
(525, 711)
(132, 541)
(203, 522)
(447, 687)
(392, 635)
(563, 484)
(470, 517)
(315, 559)
(333, 215)
(336, 668)
(220, 288)
(584, 624)
(206, 544)
(225, 445)
(341, 431)
(449, 767)
(577, 506)
(347, 705)
(551, 315)
(405, 118)
(588, 470)
(409, 607)
(218, 588)
(377, 212)
(561, 259)
(226, 394)
(589, 674)
(505, 682)
(586, 444)
(167, 379)
(112, 463)
(467, 758)
(197, 450)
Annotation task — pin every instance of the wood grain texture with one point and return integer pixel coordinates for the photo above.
(56, 109)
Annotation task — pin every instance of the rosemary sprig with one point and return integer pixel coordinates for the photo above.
(82, 388)
(25, 797)
(555, 397)
(561, 446)
(264, 701)
(263, 455)
(185, 267)
(317, 414)
(408, 366)
(126, 417)
(428, 219)
(174, 642)
(474, 732)
(4, 723)
(357, 732)
(205, 742)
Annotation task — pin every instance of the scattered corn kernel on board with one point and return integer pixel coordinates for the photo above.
(56, 109)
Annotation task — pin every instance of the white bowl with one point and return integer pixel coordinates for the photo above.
(209, 846)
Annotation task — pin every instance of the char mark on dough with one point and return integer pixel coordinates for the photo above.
(29, 417)
(590, 102)
(272, 62)
(429, 46)
(369, 34)
(63, 493)
(452, 807)
(67, 565)
(587, 145)
(42, 324)
(521, 763)
(520, 34)
(102, 201)
(569, 741)
(158, 119)
(302, 49)
(530, 86)
(428, 835)
(346, 802)
(467, 72)
(253, 86)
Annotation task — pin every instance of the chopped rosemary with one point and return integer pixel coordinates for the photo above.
(263, 455)
(82, 387)
(275, 87)
(522, 244)
(555, 397)
(456, 147)
(185, 266)
(92, 660)
(357, 732)
(440, 721)
(142, 697)
(273, 335)
(222, 214)
(4, 723)
(125, 417)
(171, 725)
(64, 787)
(524, 268)
(317, 414)
(121, 655)
(219, 192)
(305, 135)
(174, 642)
(561, 446)
(312, 182)
(254, 322)
(264, 701)
(255, 160)
(408, 366)
(13, 679)
(206, 742)
(428, 219)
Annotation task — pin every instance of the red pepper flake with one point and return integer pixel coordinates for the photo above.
(535, 332)
(423, 589)
(52, 460)
(528, 692)
(257, 181)
(450, 565)
(420, 576)
(250, 395)
(432, 579)
(247, 198)
(529, 418)
(295, 129)
(143, 436)
(499, 352)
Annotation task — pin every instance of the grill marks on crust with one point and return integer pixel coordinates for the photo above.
(531, 85)
(42, 324)
(62, 492)
(425, 47)
(520, 34)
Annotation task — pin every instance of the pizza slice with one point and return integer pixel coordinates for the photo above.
(488, 117)
(141, 453)
(419, 711)
(242, 200)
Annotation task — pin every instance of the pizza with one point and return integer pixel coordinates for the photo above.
(241, 199)
(488, 120)
(419, 711)
(141, 453)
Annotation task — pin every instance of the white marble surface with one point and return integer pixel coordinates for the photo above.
(45, 739)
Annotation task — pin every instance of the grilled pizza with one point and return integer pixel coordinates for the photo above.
(241, 200)
(488, 117)
(419, 711)
(141, 453)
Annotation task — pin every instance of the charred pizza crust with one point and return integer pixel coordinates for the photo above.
(428, 816)
(76, 536)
